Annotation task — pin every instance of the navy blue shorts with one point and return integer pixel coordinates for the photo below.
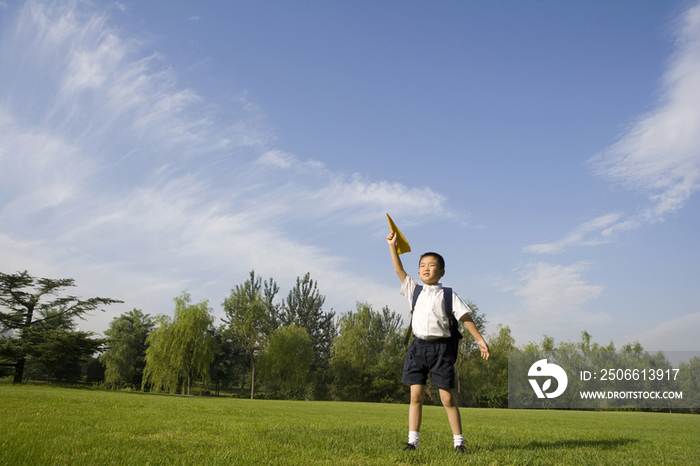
(432, 357)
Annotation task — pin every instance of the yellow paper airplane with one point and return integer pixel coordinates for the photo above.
(402, 245)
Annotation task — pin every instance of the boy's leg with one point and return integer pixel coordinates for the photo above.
(415, 409)
(449, 401)
(415, 374)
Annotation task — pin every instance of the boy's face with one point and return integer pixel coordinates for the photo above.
(430, 271)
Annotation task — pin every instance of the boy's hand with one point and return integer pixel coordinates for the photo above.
(484, 349)
(398, 266)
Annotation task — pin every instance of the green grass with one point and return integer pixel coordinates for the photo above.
(45, 425)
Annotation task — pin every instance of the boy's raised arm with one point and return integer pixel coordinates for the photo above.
(398, 266)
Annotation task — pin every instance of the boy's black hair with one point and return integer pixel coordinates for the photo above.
(441, 261)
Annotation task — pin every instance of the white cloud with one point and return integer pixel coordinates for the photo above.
(578, 236)
(90, 69)
(679, 334)
(312, 190)
(548, 299)
(659, 155)
(383, 194)
(557, 294)
(277, 158)
(37, 171)
(92, 79)
(193, 18)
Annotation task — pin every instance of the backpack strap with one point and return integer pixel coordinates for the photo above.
(447, 296)
(416, 292)
(455, 334)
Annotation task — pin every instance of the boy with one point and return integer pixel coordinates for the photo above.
(431, 350)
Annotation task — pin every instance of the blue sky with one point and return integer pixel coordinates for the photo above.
(549, 150)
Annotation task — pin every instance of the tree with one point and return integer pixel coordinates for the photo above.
(284, 363)
(180, 348)
(467, 345)
(367, 356)
(303, 307)
(485, 383)
(690, 384)
(635, 348)
(249, 320)
(59, 349)
(270, 290)
(32, 308)
(125, 357)
(229, 361)
(94, 370)
(548, 344)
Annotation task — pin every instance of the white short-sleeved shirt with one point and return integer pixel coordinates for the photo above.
(429, 318)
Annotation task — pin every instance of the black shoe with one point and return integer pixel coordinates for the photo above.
(410, 447)
(461, 448)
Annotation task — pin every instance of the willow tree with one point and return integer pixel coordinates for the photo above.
(180, 348)
(285, 361)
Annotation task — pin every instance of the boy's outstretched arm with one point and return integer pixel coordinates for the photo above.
(469, 323)
(398, 266)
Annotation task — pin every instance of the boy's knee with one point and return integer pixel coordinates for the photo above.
(417, 396)
(448, 399)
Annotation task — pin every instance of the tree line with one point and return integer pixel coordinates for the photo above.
(265, 347)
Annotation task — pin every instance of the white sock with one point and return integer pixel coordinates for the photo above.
(413, 437)
(458, 439)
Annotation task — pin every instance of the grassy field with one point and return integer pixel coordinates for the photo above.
(46, 425)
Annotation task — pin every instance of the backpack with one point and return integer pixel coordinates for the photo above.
(455, 334)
